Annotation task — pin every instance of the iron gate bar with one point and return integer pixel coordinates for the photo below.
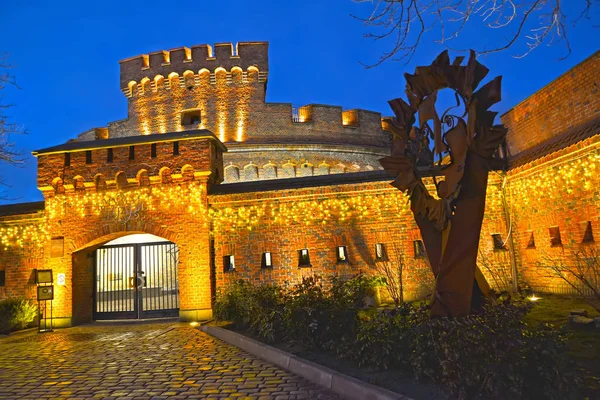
(149, 268)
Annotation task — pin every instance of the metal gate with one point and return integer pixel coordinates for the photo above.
(136, 281)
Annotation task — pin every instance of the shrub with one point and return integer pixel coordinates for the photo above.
(261, 309)
(384, 339)
(493, 354)
(16, 314)
(231, 304)
(268, 314)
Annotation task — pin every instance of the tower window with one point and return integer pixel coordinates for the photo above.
(175, 148)
(342, 254)
(132, 152)
(303, 258)
(267, 260)
(67, 159)
(153, 150)
(109, 155)
(229, 263)
(88, 157)
(190, 118)
(2, 278)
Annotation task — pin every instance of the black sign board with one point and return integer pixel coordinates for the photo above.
(43, 276)
(45, 293)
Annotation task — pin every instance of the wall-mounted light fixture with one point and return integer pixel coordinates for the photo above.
(419, 248)
(342, 254)
(498, 241)
(380, 253)
(304, 259)
(267, 260)
(229, 263)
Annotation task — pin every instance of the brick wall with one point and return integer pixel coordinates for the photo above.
(560, 190)
(226, 85)
(194, 155)
(320, 219)
(245, 225)
(570, 100)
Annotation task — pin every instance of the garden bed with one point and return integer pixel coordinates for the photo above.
(392, 379)
(501, 351)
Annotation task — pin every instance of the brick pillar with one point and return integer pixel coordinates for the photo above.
(194, 267)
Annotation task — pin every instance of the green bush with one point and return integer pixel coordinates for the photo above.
(493, 354)
(232, 304)
(16, 314)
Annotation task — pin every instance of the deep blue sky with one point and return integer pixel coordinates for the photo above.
(66, 56)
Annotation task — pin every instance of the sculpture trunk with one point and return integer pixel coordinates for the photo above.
(454, 265)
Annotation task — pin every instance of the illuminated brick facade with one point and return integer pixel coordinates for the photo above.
(177, 185)
(222, 88)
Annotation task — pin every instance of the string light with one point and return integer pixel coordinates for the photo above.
(573, 179)
(531, 192)
(180, 198)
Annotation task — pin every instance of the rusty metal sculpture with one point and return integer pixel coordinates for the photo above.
(464, 149)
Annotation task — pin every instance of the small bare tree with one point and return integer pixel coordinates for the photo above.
(501, 279)
(8, 153)
(533, 21)
(393, 269)
(582, 274)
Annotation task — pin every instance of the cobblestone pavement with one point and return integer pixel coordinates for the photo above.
(141, 361)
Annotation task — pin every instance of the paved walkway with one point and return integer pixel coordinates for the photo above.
(141, 361)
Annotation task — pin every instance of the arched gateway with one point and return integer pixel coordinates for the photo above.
(129, 249)
(136, 277)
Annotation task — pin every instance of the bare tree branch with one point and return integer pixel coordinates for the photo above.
(528, 22)
(583, 276)
(8, 152)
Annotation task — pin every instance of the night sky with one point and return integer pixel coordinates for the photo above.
(66, 57)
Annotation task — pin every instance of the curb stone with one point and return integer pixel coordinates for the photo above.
(344, 385)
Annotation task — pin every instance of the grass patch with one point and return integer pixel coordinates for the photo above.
(584, 345)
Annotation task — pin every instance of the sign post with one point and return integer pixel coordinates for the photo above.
(45, 294)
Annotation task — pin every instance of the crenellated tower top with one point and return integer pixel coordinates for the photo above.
(195, 59)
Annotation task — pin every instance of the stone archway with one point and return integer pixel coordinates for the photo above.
(82, 261)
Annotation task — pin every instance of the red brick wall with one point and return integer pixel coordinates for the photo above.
(201, 154)
(358, 216)
(568, 101)
(561, 191)
(282, 222)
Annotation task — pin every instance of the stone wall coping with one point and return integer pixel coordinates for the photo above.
(344, 385)
(301, 183)
(338, 148)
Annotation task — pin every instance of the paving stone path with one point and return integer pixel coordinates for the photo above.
(140, 361)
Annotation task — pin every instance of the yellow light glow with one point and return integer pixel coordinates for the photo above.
(533, 298)
(241, 117)
(194, 323)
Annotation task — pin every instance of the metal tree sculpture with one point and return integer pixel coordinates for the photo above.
(464, 150)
